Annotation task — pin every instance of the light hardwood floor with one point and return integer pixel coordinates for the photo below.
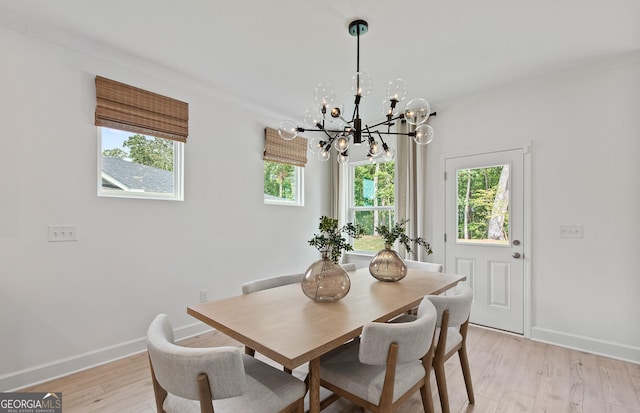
(510, 374)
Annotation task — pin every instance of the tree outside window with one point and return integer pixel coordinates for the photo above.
(282, 184)
(373, 200)
(483, 205)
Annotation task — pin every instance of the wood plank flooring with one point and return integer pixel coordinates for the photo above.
(510, 374)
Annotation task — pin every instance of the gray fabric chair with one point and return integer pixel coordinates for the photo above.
(426, 266)
(265, 284)
(451, 337)
(270, 282)
(349, 267)
(280, 280)
(386, 366)
(198, 380)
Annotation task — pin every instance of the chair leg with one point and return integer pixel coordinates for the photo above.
(466, 372)
(441, 381)
(427, 397)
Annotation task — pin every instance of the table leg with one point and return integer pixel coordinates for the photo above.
(314, 385)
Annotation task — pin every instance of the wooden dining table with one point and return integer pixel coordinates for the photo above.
(286, 326)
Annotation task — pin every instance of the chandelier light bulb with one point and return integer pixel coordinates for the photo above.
(343, 158)
(424, 134)
(313, 118)
(387, 110)
(417, 111)
(288, 130)
(389, 154)
(342, 144)
(337, 109)
(323, 94)
(315, 145)
(324, 154)
(361, 84)
(374, 148)
(397, 90)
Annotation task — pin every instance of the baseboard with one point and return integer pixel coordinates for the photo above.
(59, 368)
(590, 345)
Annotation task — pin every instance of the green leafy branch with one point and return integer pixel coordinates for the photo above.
(398, 233)
(330, 238)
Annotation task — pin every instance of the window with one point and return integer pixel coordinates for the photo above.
(132, 165)
(483, 205)
(283, 184)
(372, 201)
(140, 142)
(284, 162)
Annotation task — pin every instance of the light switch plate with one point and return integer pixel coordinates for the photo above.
(571, 231)
(63, 233)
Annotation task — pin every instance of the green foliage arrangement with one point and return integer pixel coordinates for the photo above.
(398, 232)
(330, 239)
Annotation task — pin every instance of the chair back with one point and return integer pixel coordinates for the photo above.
(414, 338)
(176, 368)
(426, 266)
(271, 282)
(350, 266)
(458, 304)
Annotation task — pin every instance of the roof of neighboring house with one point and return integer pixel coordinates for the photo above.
(121, 174)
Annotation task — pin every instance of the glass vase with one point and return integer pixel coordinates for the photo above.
(325, 281)
(387, 265)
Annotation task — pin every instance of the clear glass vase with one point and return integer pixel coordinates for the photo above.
(387, 265)
(325, 282)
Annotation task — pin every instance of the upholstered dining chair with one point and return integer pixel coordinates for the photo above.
(219, 379)
(265, 284)
(270, 282)
(280, 280)
(426, 266)
(386, 366)
(349, 266)
(451, 337)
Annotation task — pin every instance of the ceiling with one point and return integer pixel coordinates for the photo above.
(273, 53)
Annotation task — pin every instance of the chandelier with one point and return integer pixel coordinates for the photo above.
(338, 132)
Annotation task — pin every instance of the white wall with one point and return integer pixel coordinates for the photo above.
(66, 306)
(584, 129)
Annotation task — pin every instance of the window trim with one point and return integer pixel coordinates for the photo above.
(178, 175)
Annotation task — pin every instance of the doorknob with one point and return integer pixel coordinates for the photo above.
(516, 255)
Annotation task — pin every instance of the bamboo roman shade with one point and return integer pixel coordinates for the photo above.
(276, 149)
(124, 107)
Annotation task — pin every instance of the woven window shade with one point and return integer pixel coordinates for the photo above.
(128, 108)
(276, 149)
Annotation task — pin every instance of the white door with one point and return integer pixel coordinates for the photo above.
(484, 228)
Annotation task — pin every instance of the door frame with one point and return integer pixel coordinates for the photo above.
(526, 216)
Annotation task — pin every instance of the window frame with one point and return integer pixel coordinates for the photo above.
(352, 208)
(178, 174)
(298, 193)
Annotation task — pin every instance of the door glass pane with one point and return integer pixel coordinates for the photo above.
(483, 205)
